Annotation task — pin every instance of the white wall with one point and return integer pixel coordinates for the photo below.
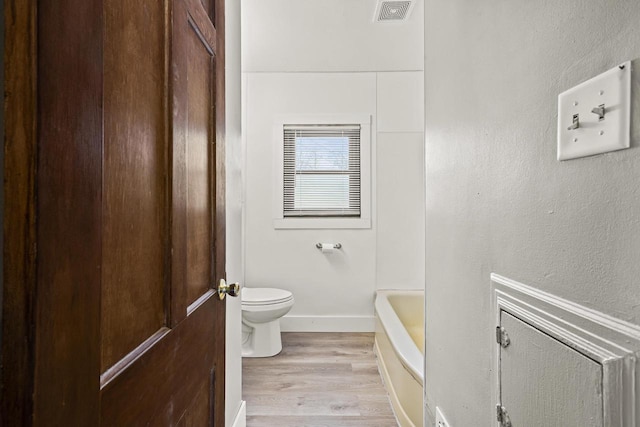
(328, 57)
(400, 181)
(327, 35)
(336, 292)
(497, 198)
(233, 98)
(337, 286)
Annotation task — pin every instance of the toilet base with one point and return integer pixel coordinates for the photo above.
(261, 339)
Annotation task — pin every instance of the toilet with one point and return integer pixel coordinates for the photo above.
(262, 309)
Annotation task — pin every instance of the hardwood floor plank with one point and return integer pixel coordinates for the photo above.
(301, 368)
(318, 404)
(325, 421)
(318, 380)
(372, 404)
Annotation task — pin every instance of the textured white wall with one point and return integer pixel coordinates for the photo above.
(233, 77)
(497, 199)
(336, 292)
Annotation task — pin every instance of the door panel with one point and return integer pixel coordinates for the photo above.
(209, 7)
(170, 378)
(129, 232)
(135, 221)
(163, 383)
(200, 134)
(194, 205)
(544, 383)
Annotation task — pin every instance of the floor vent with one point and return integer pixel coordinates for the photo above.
(393, 11)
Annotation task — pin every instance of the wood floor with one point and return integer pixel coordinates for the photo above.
(319, 380)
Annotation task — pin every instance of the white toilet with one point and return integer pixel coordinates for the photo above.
(262, 309)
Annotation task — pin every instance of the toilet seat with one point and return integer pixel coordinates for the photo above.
(265, 296)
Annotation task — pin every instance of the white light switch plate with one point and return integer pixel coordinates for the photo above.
(594, 136)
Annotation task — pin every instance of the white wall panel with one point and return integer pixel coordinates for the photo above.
(401, 102)
(400, 211)
(341, 284)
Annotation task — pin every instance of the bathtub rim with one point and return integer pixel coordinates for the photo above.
(405, 348)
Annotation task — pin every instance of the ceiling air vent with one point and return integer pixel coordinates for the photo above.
(393, 11)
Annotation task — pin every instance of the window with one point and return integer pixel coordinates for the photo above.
(321, 172)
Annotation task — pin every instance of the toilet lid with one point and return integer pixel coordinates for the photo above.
(265, 296)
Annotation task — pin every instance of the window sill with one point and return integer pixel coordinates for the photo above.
(319, 223)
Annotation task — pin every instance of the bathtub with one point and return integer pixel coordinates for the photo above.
(399, 347)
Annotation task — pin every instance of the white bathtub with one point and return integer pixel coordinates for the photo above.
(399, 347)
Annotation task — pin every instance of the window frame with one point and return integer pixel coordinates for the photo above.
(315, 222)
(350, 170)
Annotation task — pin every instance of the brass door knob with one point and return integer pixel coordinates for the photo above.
(232, 289)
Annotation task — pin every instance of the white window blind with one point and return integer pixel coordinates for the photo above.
(322, 170)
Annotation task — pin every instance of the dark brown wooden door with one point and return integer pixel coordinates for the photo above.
(122, 201)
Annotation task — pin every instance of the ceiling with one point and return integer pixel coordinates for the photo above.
(328, 36)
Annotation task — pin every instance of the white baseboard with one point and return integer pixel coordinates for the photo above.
(240, 419)
(327, 324)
